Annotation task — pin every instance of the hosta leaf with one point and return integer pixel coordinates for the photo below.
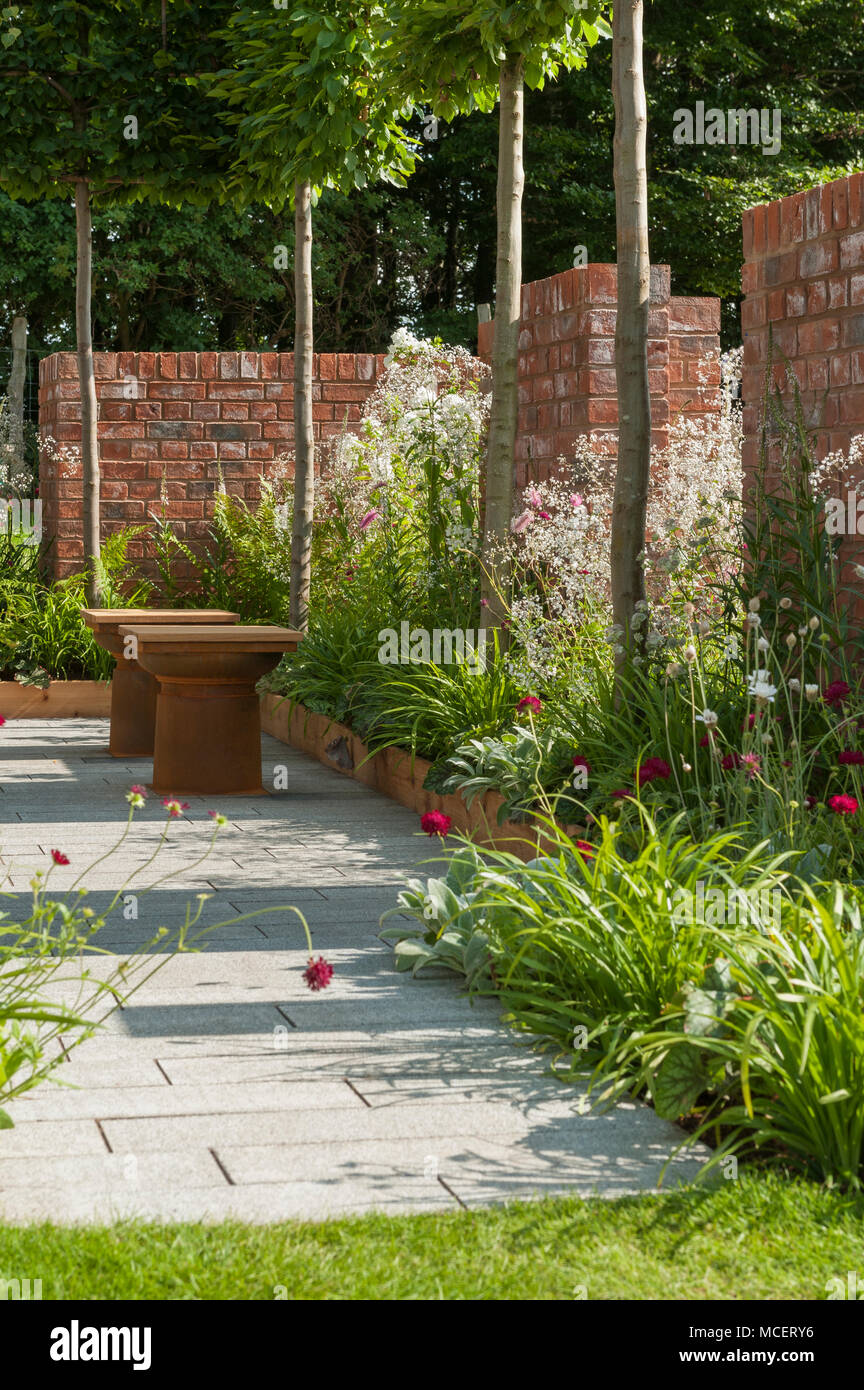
(679, 1082)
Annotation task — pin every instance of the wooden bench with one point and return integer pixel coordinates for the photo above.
(133, 690)
(208, 720)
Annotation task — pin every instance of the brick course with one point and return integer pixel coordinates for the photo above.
(177, 420)
(567, 385)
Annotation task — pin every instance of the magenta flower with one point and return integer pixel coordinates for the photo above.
(843, 805)
(318, 973)
(730, 761)
(545, 516)
(581, 761)
(651, 769)
(584, 849)
(59, 857)
(139, 790)
(621, 792)
(2, 721)
(174, 807)
(435, 823)
(835, 693)
(851, 757)
(752, 763)
(530, 702)
(366, 521)
(534, 498)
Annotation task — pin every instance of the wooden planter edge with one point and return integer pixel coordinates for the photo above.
(59, 700)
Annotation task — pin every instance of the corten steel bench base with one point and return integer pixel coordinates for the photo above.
(208, 717)
(134, 691)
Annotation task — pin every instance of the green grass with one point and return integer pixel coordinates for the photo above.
(758, 1238)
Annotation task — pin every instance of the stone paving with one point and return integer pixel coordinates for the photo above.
(225, 1087)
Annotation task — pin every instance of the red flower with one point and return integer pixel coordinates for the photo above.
(651, 769)
(435, 823)
(318, 973)
(730, 761)
(843, 805)
(851, 756)
(583, 848)
(835, 693)
(2, 721)
(581, 761)
(59, 857)
(705, 740)
(622, 791)
(530, 702)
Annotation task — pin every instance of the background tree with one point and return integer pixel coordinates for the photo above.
(311, 112)
(458, 56)
(102, 101)
(424, 255)
(633, 471)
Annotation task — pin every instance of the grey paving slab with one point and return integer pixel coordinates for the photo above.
(224, 1088)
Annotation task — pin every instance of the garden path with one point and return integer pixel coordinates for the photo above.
(225, 1087)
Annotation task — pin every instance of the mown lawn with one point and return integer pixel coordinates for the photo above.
(758, 1238)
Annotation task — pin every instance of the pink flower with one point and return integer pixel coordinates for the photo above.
(318, 973)
(59, 857)
(581, 761)
(2, 721)
(367, 520)
(139, 790)
(530, 702)
(843, 805)
(576, 499)
(651, 769)
(521, 523)
(545, 516)
(174, 807)
(752, 764)
(835, 693)
(435, 823)
(484, 603)
(852, 757)
(534, 498)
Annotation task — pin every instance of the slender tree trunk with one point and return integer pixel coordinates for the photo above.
(631, 330)
(498, 504)
(304, 439)
(87, 385)
(15, 394)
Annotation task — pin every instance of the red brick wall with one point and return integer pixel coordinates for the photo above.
(803, 277)
(567, 385)
(183, 416)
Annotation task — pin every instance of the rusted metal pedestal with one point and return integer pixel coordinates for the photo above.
(208, 721)
(133, 690)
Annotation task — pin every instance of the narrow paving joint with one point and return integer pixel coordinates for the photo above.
(224, 1087)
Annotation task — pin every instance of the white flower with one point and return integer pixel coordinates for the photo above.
(708, 718)
(763, 644)
(812, 692)
(859, 570)
(795, 685)
(785, 603)
(690, 653)
(760, 685)
(753, 605)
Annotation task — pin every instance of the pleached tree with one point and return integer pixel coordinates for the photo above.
(630, 501)
(457, 56)
(310, 110)
(102, 103)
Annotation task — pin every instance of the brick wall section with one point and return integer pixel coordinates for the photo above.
(803, 278)
(181, 416)
(567, 386)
